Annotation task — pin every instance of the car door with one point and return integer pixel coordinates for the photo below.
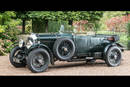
(82, 43)
(96, 44)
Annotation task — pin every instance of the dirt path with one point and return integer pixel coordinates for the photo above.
(70, 68)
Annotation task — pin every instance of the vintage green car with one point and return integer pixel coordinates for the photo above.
(42, 49)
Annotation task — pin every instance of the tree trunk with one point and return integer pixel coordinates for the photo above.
(70, 22)
(2, 21)
(46, 25)
(23, 26)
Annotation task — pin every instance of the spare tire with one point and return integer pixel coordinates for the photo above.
(64, 48)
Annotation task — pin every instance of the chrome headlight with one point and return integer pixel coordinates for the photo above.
(33, 36)
(21, 42)
(32, 39)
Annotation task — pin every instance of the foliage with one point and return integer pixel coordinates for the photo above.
(6, 16)
(13, 23)
(128, 28)
(84, 15)
(28, 27)
(7, 39)
(97, 26)
(107, 15)
(128, 45)
(8, 31)
(86, 26)
(54, 26)
(21, 14)
(38, 26)
(79, 26)
(118, 23)
(64, 15)
(127, 12)
(2, 28)
(43, 17)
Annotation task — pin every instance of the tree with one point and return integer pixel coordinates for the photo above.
(83, 15)
(107, 15)
(127, 12)
(23, 15)
(5, 18)
(45, 16)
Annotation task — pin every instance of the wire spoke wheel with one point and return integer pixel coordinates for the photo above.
(114, 56)
(38, 61)
(64, 48)
(17, 57)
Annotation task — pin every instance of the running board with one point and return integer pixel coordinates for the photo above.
(81, 59)
(75, 60)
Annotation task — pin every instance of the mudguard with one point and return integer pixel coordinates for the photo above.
(110, 45)
(120, 46)
(45, 47)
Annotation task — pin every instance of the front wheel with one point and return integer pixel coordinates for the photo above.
(38, 60)
(113, 57)
(17, 58)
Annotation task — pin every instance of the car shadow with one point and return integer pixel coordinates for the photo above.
(81, 64)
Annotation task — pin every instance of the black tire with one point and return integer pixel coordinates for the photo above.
(59, 47)
(113, 59)
(33, 58)
(11, 58)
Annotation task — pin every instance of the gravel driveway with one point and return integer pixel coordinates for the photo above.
(70, 68)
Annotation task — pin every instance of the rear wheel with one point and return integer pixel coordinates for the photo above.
(64, 48)
(38, 60)
(113, 57)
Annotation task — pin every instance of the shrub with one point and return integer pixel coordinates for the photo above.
(7, 39)
(118, 23)
(28, 27)
(8, 31)
(128, 44)
(128, 29)
(1, 48)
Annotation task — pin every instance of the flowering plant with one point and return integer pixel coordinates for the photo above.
(118, 23)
